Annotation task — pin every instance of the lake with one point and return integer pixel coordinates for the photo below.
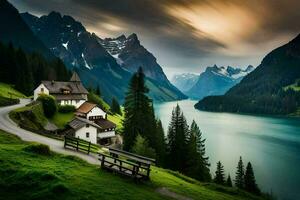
(271, 144)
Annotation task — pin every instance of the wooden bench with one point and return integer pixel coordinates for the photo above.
(126, 163)
(78, 144)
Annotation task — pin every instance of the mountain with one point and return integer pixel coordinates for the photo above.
(216, 81)
(130, 54)
(272, 88)
(15, 31)
(185, 82)
(84, 52)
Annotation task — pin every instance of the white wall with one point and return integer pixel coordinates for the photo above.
(81, 133)
(107, 134)
(38, 91)
(96, 111)
(72, 102)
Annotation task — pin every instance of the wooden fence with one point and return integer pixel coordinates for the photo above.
(79, 144)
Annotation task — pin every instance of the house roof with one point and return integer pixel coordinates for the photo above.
(68, 97)
(78, 123)
(75, 77)
(57, 87)
(105, 124)
(86, 107)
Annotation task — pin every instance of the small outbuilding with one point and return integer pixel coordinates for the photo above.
(90, 111)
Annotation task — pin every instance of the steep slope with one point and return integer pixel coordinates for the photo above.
(14, 30)
(83, 51)
(184, 82)
(131, 55)
(217, 80)
(264, 90)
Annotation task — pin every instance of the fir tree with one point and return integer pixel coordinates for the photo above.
(239, 178)
(160, 144)
(139, 114)
(250, 183)
(228, 181)
(197, 162)
(115, 106)
(177, 140)
(98, 91)
(219, 174)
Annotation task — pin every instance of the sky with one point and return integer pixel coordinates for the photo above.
(186, 36)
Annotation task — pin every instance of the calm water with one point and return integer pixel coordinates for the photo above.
(272, 145)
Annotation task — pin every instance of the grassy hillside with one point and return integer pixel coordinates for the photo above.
(8, 91)
(28, 169)
(30, 116)
(8, 95)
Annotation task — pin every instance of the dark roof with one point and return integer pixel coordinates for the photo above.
(86, 107)
(57, 87)
(105, 124)
(68, 96)
(78, 123)
(75, 77)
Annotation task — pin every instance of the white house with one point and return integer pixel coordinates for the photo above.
(97, 132)
(90, 111)
(84, 129)
(66, 93)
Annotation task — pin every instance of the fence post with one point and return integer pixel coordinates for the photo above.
(89, 147)
(65, 143)
(77, 142)
(102, 161)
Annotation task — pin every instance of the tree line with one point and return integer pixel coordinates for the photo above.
(26, 70)
(183, 147)
(244, 179)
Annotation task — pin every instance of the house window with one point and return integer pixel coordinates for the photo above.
(87, 125)
(42, 90)
(87, 134)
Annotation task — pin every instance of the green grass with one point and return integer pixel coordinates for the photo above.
(27, 171)
(31, 116)
(294, 86)
(117, 119)
(8, 91)
(62, 119)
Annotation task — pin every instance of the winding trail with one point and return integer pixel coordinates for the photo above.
(8, 125)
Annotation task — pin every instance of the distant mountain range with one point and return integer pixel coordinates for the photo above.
(108, 63)
(272, 88)
(213, 81)
(184, 82)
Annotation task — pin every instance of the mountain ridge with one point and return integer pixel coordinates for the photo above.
(217, 80)
(82, 51)
(264, 90)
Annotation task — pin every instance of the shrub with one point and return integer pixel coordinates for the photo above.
(66, 108)
(298, 83)
(49, 105)
(38, 149)
(7, 101)
(141, 147)
(59, 188)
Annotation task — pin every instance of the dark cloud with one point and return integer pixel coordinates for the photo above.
(236, 30)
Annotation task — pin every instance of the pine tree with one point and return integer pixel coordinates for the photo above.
(177, 141)
(240, 173)
(139, 114)
(197, 163)
(250, 183)
(98, 91)
(115, 106)
(228, 181)
(160, 144)
(219, 174)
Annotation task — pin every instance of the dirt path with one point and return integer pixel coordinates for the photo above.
(166, 192)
